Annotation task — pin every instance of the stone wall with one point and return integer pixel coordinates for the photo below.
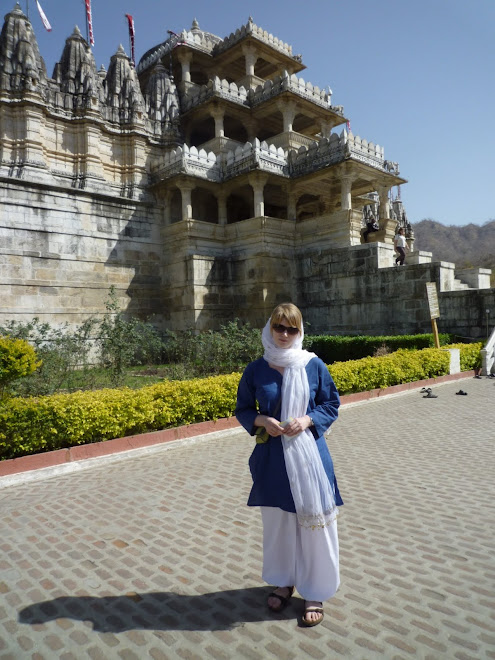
(357, 290)
(62, 249)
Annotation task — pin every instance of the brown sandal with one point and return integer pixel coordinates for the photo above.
(284, 600)
(312, 608)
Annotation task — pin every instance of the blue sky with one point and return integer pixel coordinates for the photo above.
(415, 76)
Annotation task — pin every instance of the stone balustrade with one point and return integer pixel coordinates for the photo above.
(200, 40)
(208, 165)
(258, 155)
(291, 140)
(270, 158)
(213, 45)
(253, 97)
(253, 30)
(189, 160)
(218, 88)
(337, 148)
(292, 83)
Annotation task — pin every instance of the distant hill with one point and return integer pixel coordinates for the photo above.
(467, 245)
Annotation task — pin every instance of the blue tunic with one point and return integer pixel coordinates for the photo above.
(259, 394)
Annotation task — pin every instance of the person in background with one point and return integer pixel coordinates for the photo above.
(371, 226)
(400, 246)
(288, 400)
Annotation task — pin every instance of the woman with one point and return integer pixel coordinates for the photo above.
(290, 394)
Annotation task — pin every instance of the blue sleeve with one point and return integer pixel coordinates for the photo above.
(246, 409)
(326, 401)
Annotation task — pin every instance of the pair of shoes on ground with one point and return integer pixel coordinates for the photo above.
(284, 601)
(428, 393)
(462, 392)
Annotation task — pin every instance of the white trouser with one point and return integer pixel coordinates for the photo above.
(294, 555)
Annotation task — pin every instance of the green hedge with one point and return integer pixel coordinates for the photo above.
(341, 349)
(38, 424)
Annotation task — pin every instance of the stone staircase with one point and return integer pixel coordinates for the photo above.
(459, 285)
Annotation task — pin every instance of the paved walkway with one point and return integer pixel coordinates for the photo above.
(156, 556)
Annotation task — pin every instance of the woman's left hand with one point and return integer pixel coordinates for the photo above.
(296, 426)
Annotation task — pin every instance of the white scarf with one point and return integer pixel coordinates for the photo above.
(312, 492)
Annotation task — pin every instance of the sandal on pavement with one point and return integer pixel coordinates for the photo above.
(284, 600)
(312, 608)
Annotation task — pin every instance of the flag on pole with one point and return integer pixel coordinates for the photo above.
(44, 19)
(348, 124)
(89, 18)
(132, 35)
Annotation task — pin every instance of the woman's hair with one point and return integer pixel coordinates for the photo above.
(287, 312)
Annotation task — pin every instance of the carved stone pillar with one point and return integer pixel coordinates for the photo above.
(257, 183)
(384, 211)
(167, 207)
(218, 115)
(289, 111)
(185, 58)
(387, 224)
(292, 206)
(186, 194)
(251, 57)
(251, 126)
(346, 187)
(222, 207)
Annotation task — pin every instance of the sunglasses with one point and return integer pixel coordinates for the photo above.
(280, 329)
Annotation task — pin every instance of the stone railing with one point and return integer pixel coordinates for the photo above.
(207, 165)
(258, 155)
(249, 97)
(197, 39)
(296, 85)
(290, 140)
(211, 44)
(215, 87)
(336, 149)
(270, 158)
(189, 160)
(253, 30)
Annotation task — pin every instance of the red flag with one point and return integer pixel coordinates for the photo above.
(44, 19)
(132, 35)
(348, 124)
(90, 22)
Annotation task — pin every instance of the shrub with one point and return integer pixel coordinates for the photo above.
(17, 360)
(125, 342)
(211, 352)
(45, 423)
(60, 350)
(38, 424)
(403, 366)
(335, 348)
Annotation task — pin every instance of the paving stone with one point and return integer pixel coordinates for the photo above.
(156, 555)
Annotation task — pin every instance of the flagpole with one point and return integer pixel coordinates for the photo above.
(86, 20)
(27, 9)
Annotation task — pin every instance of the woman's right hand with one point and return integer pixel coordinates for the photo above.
(271, 424)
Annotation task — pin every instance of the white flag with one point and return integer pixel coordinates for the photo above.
(44, 19)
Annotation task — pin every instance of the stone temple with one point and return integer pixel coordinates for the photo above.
(210, 182)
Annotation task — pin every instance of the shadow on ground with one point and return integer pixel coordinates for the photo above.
(219, 610)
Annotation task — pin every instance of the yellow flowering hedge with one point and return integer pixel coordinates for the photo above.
(37, 424)
(403, 366)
